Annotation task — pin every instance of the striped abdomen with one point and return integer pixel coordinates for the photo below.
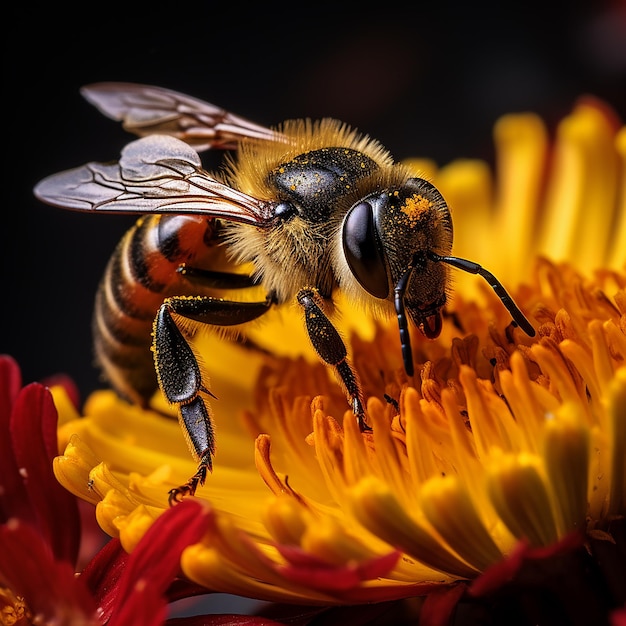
(140, 274)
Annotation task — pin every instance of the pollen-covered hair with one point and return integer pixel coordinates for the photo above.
(248, 169)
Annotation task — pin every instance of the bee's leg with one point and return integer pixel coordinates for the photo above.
(331, 349)
(216, 280)
(179, 374)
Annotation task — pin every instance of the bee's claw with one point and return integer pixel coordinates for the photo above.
(176, 495)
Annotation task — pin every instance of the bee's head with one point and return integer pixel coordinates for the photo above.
(396, 243)
(387, 237)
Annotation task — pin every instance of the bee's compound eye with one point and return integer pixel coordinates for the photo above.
(363, 250)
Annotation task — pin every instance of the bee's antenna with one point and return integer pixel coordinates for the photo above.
(474, 268)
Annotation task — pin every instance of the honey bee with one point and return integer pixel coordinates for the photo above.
(311, 207)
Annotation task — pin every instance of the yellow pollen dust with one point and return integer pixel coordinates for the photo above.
(415, 207)
(14, 608)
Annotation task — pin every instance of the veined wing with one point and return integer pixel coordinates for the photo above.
(155, 174)
(148, 110)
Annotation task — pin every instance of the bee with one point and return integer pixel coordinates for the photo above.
(313, 207)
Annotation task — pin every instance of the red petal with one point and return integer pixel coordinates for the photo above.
(10, 385)
(503, 572)
(618, 617)
(102, 575)
(12, 500)
(312, 572)
(378, 567)
(34, 438)
(499, 574)
(155, 562)
(326, 578)
(439, 605)
(65, 381)
(299, 557)
(48, 586)
(147, 608)
(345, 582)
(92, 537)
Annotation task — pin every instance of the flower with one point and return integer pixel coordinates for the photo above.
(39, 532)
(498, 470)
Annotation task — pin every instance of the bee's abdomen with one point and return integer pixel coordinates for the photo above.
(140, 274)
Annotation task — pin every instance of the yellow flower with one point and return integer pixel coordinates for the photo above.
(498, 438)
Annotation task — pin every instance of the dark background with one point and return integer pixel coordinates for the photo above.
(427, 79)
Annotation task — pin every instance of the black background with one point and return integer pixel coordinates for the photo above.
(427, 79)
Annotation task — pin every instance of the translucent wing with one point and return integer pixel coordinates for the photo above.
(147, 110)
(155, 174)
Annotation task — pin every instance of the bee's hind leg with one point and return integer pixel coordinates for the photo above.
(180, 376)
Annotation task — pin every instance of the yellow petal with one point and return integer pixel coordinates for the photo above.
(378, 510)
(617, 243)
(518, 491)
(73, 468)
(566, 458)
(583, 187)
(284, 519)
(449, 508)
(521, 149)
(132, 527)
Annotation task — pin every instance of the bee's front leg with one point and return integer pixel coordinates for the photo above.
(331, 349)
(180, 376)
